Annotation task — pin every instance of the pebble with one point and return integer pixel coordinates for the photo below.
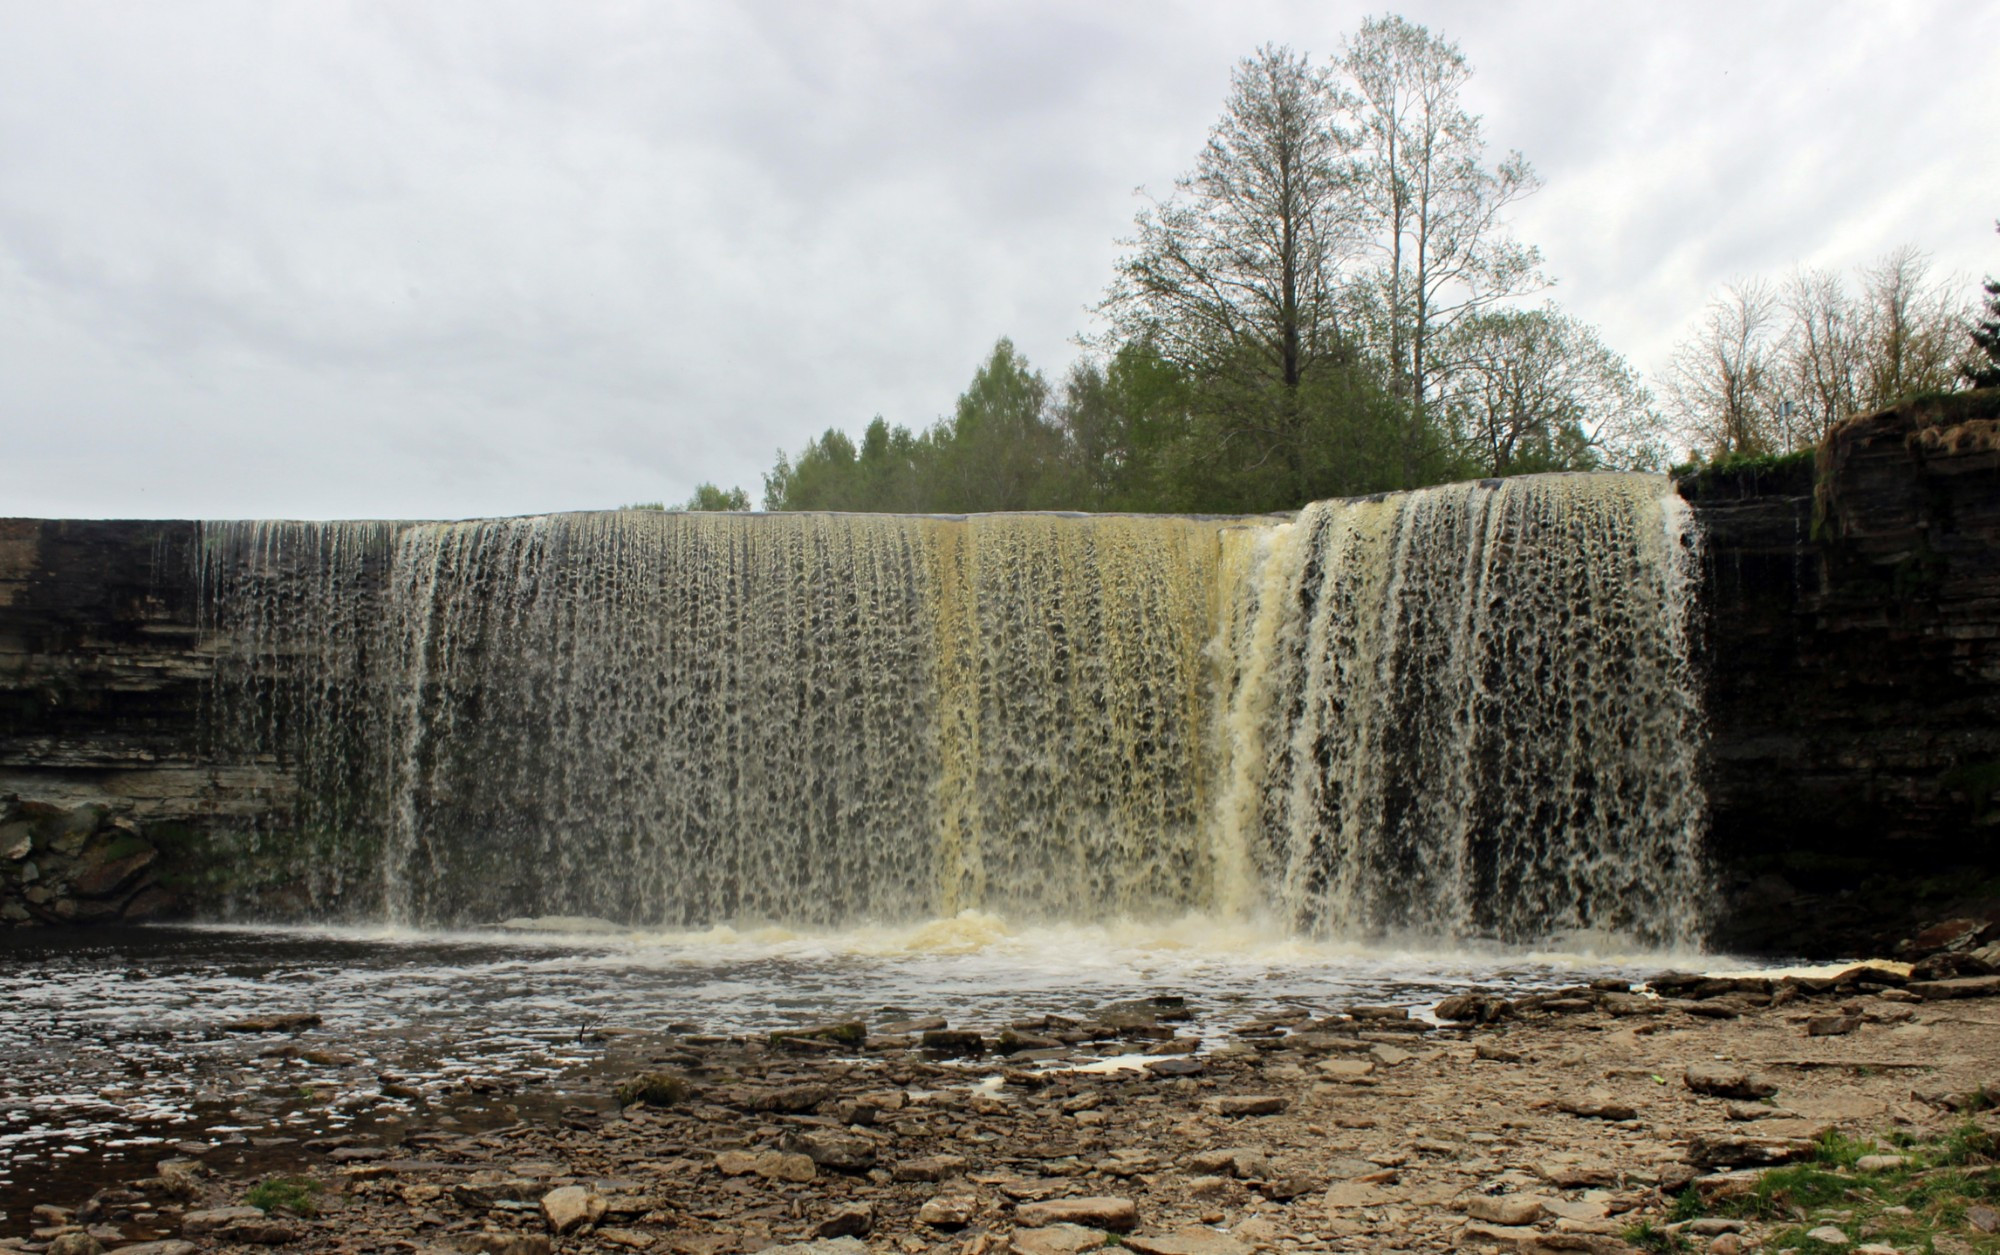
(1828, 1234)
(948, 1211)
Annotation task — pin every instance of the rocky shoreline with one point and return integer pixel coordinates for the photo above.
(1587, 1119)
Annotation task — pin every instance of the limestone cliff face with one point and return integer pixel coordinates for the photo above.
(1853, 661)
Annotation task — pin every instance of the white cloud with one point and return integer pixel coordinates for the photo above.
(485, 257)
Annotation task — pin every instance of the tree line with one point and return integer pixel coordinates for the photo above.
(1331, 303)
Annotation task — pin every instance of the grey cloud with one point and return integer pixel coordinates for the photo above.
(495, 257)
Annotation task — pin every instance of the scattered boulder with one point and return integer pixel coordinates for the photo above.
(851, 1220)
(1597, 1104)
(948, 1211)
(572, 1208)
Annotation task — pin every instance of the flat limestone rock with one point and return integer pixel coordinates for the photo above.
(1346, 1069)
(1956, 987)
(1194, 1241)
(1729, 1150)
(1247, 1105)
(1722, 1080)
(820, 1246)
(1120, 1215)
(572, 1207)
(1597, 1104)
(1347, 1195)
(929, 1168)
(1056, 1239)
(1509, 1209)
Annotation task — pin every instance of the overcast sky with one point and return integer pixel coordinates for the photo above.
(420, 258)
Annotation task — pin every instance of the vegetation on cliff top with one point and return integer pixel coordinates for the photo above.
(1330, 303)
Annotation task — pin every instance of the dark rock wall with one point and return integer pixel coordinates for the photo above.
(1852, 656)
(1853, 663)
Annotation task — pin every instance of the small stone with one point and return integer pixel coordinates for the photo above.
(1720, 1080)
(1597, 1104)
(948, 1211)
(1832, 1025)
(571, 1208)
(1177, 1065)
(778, 1165)
(736, 1163)
(1059, 1239)
(929, 1168)
(1828, 1234)
(1210, 1186)
(1512, 1209)
(851, 1220)
(1346, 1069)
(1494, 1052)
(1120, 1215)
(1882, 1163)
(1247, 1105)
(1983, 1218)
(1726, 1244)
(75, 1242)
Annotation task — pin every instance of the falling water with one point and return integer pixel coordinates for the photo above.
(1464, 711)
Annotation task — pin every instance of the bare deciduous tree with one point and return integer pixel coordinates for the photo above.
(1536, 390)
(1720, 384)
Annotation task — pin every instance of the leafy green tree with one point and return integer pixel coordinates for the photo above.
(1000, 449)
(1236, 278)
(708, 497)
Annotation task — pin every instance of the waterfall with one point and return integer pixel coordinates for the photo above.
(1457, 712)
